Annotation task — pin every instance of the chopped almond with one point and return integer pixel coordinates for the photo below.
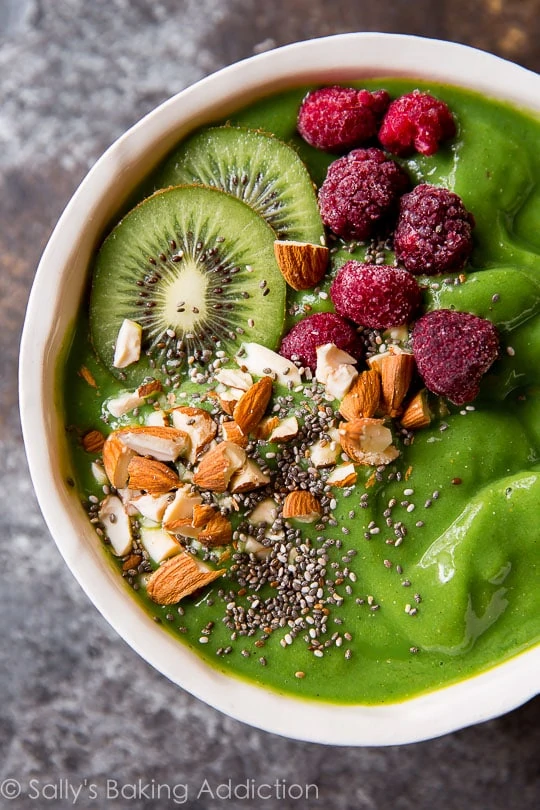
(249, 477)
(161, 443)
(302, 506)
(217, 466)
(344, 475)
(256, 359)
(198, 425)
(416, 414)
(396, 370)
(232, 433)
(159, 544)
(116, 459)
(178, 578)
(266, 511)
(367, 441)
(93, 441)
(116, 523)
(325, 453)
(234, 378)
(252, 404)
(128, 344)
(228, 399)
(302, 264)
(215, 528)
(151, 476)
(285, 430)
(181, 508)
(151, 506)
(363, 397)
(265, 427)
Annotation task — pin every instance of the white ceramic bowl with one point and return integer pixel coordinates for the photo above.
(53, 303)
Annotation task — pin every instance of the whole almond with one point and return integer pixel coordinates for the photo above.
(302, 264)
(178, 577)
(252, 404)
(151, 476)
(363, 397)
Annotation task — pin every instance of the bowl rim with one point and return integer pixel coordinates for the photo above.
(353, 55)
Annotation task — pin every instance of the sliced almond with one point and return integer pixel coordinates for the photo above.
(249, 477)
(128, 344)
(302, 506)
(256, 359)
(252, 404)
(265, 427)
(367, 441)
(159, 544)
(285, 430)
(302, 264)
(416, 414)
(198, 425)
(181, 508)
(252, 546)
(363, 397)
(396, 370)
(93, 441)
(161, 443)
(234, 378)
(218, 465)
(344, 475)
(151, 476)
(215, 528)
(116, 459)
(116, 524)
(151, 506)
(178, 578)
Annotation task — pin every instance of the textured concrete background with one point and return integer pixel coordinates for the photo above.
(76, 702)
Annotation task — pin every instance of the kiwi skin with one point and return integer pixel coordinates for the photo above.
(256, 167)
(195, 267)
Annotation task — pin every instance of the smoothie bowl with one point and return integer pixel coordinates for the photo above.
(280, 389)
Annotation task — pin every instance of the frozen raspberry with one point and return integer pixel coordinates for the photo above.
(377, 296)
(337, 118)
(316, 330)
(434, 231)
(361, 192)
(416, 121)
(453, 350)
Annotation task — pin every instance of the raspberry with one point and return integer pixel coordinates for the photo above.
(377, 296)
(316, 330)
(416, 121)
(434, 231)
(337, 118)
(361, 193)
(453, 350)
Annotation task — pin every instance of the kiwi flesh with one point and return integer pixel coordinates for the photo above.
(195, 267)
(260, 169)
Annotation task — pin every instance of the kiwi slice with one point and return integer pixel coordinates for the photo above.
(194, 267)
(259, 169)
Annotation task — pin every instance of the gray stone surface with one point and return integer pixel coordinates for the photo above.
(77, 703)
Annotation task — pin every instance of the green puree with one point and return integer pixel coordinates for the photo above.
(461, 592)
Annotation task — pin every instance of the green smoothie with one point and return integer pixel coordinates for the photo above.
(426, 571)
